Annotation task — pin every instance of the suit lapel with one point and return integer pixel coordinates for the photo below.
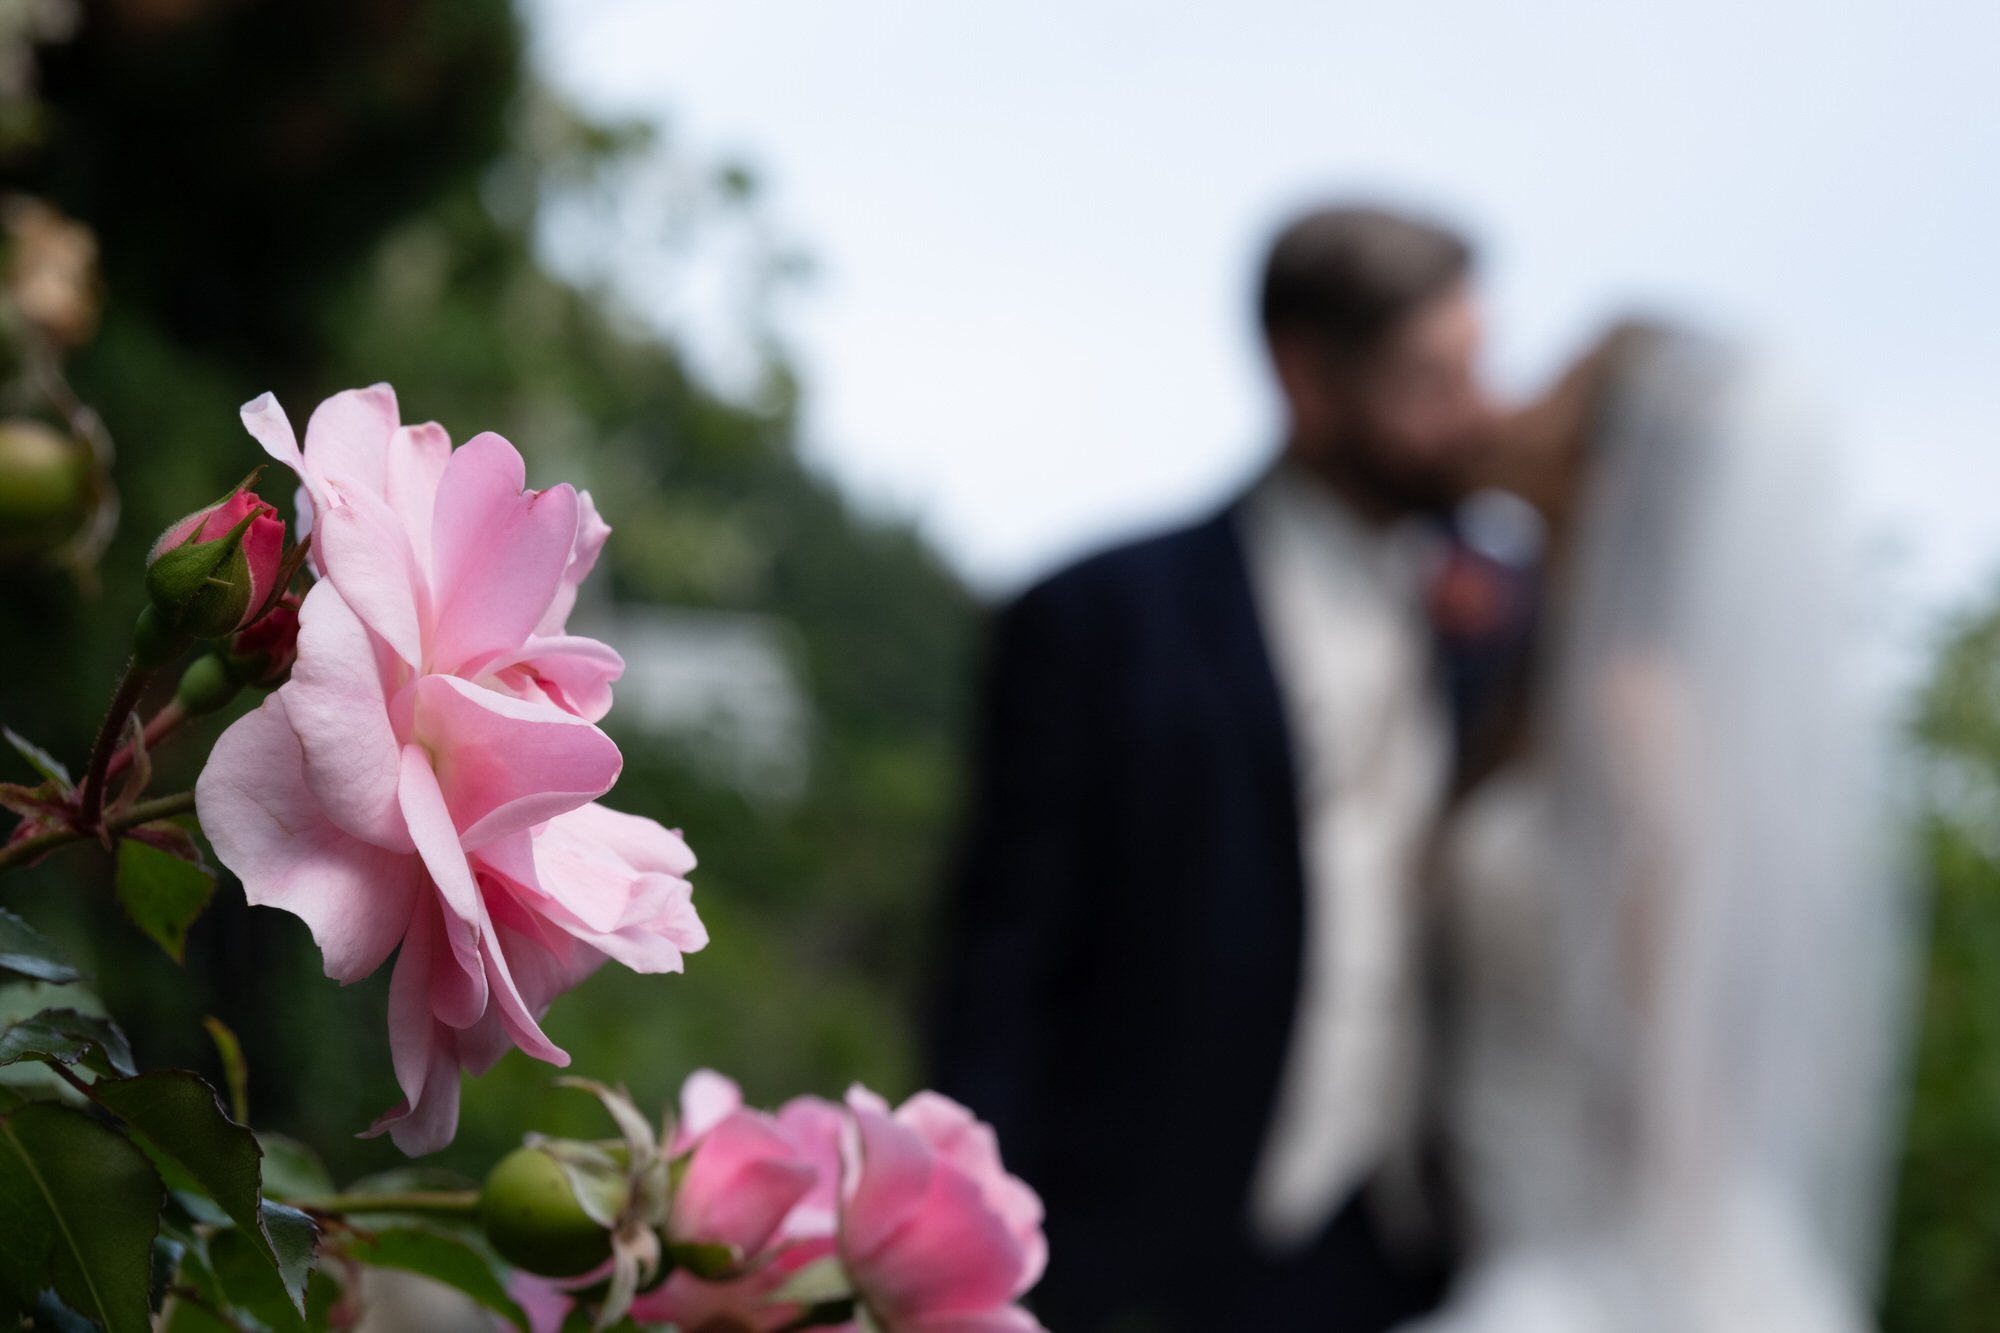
(1224, 610)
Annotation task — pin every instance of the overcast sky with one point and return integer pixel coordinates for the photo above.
(1035, 222)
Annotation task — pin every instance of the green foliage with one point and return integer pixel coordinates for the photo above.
(401, 171)
(1944, 1268)
(246, 1281)
(443, 1257)
(28, 955)
(81, 1204)
(177, 1117)
(162, 893)
(65, 1037)
(415, 259)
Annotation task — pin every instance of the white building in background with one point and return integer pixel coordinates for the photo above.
(718, 685)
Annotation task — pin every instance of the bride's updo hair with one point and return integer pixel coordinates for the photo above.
(1549, 443)
(1350, 275)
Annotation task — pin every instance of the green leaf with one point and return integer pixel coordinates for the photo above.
(66, 1037)
(290, 1298)
(234, 1072)
(162, 893)
(38, 759)
(27, 954)
(442, 1258)
(292, 1170)
(249, 1284)
(295, 1241)
(179, 1117)
(82, 1205)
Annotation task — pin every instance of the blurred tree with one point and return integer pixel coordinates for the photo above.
(1944, 1267)
(308, 196)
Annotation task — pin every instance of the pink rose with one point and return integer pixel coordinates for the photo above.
(743, 1175)
(424, 782)
(935, 1235)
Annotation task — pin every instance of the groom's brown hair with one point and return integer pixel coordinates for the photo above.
(1351, 274)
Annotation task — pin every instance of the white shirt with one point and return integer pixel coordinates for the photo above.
(1342, 610)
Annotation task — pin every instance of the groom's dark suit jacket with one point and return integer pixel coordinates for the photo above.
(1124, 949)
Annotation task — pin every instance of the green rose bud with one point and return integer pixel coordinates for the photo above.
(532, 1217)
(45, 488)
(207, 684)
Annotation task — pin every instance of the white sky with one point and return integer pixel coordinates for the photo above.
(1036, 222)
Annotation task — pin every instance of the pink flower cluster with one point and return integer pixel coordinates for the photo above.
(909, 1211)
(425, 782)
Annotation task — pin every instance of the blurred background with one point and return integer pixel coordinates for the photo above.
(855, 318)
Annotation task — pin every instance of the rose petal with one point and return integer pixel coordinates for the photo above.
(969, 1144)
(267, 827)
(818, 1126)
(270, 427)
(413, 469)
(347, 439)
(498, 552)
(642, 843)
(745, 1175)
(591, 533)
(366, 554)
(423, 1049)
(952, 1254)
(707, 1099)
(337, 705)
(891, 1177)
(506, 764)
(571, 672)
(460, 992)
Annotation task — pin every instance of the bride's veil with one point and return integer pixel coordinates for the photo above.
(1730, 934)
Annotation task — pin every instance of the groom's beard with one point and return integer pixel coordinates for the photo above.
(1380, 479)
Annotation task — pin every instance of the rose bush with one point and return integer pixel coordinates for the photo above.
(422, 781)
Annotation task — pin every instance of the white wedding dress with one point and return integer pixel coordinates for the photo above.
(1674, 954)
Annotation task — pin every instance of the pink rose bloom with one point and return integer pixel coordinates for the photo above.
(746, 1184)
(424, 782)
(744, 1172)
(934, 1234)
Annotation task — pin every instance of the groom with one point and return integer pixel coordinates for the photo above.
(1181, 974)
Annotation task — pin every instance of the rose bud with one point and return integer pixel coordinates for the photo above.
(206, 686)
(213, 569)
(530, 1212)
(45, 490)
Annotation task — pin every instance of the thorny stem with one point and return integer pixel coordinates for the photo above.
(142, 812)
(130, 687)
(162, 725)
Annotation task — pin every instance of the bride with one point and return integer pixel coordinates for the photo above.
(1671, 964)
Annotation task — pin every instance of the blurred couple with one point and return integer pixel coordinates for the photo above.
(1440, 891)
